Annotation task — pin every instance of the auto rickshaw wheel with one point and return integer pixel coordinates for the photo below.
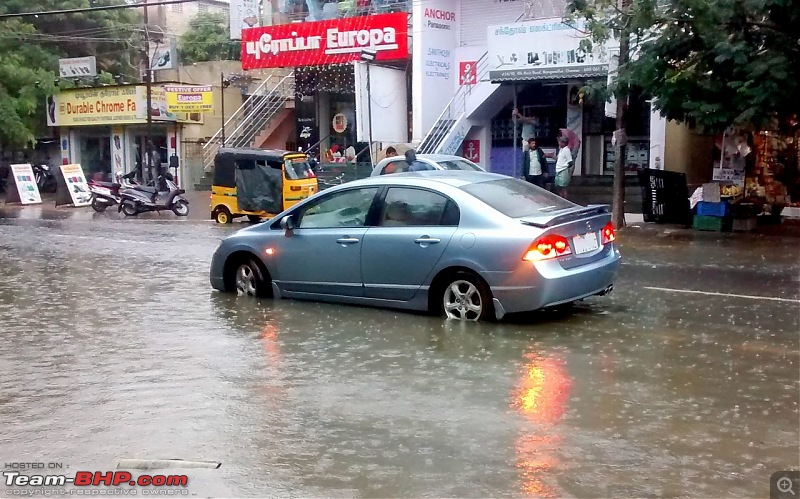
(254, 218)
(223, 216)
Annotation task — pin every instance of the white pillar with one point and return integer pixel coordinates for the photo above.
(658, 138)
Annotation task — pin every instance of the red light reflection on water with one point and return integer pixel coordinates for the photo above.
(541, 396)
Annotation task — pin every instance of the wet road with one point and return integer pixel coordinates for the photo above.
(114, 346)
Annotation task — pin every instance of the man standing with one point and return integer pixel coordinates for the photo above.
(564, 165)
(534, 164)
(152, 162)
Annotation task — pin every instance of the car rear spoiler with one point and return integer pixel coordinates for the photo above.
(545, 221)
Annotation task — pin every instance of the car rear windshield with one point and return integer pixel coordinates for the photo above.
(455, 164)
(297, 168)
(516, 198)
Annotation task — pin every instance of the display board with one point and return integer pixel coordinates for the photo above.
(72, 187)
(26, 191)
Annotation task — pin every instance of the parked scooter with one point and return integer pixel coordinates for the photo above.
(143, 198)
(45, 178)
(105, 194)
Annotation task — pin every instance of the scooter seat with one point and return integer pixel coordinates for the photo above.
(111, 185)
(147, 189)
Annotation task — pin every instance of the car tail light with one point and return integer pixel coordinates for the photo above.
(547, 247)
(311, 174)
(609, 234)
(296, 188)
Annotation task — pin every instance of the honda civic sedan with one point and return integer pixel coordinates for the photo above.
(466, 245)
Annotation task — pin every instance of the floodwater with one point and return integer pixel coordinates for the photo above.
(114, 346)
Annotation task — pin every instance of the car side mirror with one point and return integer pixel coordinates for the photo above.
(287, 223)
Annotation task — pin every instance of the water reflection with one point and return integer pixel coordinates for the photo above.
(541, 397)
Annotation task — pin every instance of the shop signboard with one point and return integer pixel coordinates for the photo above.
(244, 14)
(72, 187)
(334, 41)
(472, 150)
(94, 106)
(77, 67)
(189, 98)
(163, 55)
(545, 49)
(27, 192)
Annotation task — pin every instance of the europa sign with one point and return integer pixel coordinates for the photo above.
(334, 41)
(189, 99)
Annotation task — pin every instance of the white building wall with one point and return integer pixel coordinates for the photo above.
(477, 15)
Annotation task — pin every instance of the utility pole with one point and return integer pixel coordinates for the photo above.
(618, 200)
(222, 85)
(149, 86)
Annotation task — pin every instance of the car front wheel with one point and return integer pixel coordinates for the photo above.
(466, 297)
(250, 281)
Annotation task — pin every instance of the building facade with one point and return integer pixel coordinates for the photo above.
(173, 20)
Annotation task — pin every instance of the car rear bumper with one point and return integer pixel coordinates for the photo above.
(545, 284)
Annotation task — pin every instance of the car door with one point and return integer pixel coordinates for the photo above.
(414, 227)
(322, 255)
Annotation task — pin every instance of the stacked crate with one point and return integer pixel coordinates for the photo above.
(712, 216)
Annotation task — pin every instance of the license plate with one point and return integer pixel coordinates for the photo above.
(585, 243)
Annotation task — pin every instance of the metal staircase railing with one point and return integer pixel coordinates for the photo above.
(454, 110)
(253, 116)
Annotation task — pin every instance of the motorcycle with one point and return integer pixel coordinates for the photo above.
(105, 194)
(45, 178)
(137, 199)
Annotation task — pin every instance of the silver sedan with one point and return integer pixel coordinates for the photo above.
(399, 164)
(468, 245)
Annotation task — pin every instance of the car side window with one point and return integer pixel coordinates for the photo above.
(397, 166)
(342, 209)
(407, 207)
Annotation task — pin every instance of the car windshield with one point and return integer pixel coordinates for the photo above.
(297, 168)
(516, 198)
(457, 164)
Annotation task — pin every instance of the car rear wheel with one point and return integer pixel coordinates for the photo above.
(466, 297)
(250, 280)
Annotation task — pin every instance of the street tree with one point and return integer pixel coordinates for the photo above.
(208, 39)
(707, 63)
(30, 47)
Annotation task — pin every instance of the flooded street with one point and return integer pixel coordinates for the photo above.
(114, 346)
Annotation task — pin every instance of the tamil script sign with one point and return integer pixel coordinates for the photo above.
(545, 49)
(189, 99)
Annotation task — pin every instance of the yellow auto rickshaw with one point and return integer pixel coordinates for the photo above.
(259, 183)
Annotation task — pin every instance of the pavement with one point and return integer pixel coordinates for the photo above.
(683, 382)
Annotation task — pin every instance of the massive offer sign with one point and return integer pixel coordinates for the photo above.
(334, 41)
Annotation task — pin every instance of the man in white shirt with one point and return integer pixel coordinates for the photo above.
(564, 165)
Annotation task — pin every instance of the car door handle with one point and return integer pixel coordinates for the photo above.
(427, 240)
(347, 240)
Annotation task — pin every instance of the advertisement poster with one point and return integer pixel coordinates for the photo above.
(93, 106)
(26, 184)
(117, 151)
(244, 14)
(76, 185)
(163, 55)
(189, 99)
(544, 49)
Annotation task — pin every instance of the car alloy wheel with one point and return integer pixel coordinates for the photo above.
(462, 301)
(246, 280)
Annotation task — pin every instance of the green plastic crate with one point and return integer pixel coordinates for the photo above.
(716, 224)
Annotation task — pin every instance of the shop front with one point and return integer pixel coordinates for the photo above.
(104, 129)
(331, 104)
(547, 68)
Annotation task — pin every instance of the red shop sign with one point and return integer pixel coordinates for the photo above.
(325, 42)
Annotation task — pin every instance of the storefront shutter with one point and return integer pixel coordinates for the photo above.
(477, 15)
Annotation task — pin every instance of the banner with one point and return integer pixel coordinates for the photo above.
(545, 49)
(94, 106)
(117, 151)
(243, 15)
(73, 181)
(163, 55)
(335, 41)
(27, 190)
(189, 99)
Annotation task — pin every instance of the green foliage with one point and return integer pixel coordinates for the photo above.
(31, 46)
(708, 63)
(208, 39)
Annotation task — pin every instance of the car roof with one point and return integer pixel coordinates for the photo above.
(455, 178)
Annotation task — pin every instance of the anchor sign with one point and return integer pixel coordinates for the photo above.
(472, 150)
